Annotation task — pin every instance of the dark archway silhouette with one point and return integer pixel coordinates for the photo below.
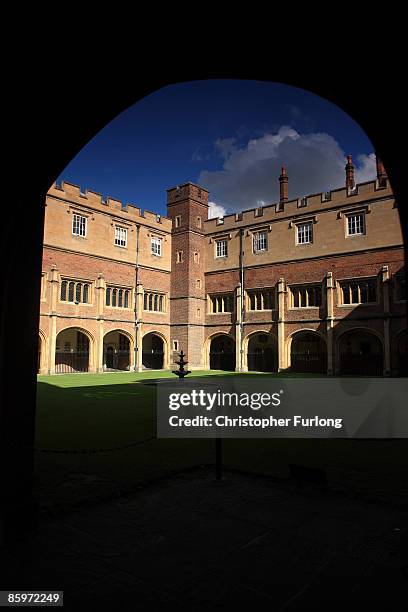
(262, 353)
(72, 351)
(38, 120)
(222, 353)
(116, 351)
(152, 352)
(308, 353)
(361, 353)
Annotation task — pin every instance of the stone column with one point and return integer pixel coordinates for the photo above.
(100, 303)
(52, 333)
(330, 322)
(385, 277)
(239, 350)
(139, 328)
(282, 357)
(99, 346)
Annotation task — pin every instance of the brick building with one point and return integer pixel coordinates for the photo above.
(314, 284)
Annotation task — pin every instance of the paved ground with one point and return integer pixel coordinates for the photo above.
(202, 544)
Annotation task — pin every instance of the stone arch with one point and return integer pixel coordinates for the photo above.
(74, 351)
(360, 352)
(118, 350)
(259, 354)
(155, 355)
(307, 351)
(219, 350)
(42, 352)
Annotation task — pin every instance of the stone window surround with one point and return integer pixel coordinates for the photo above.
(153, 293)
(308, 285)
(119, 288)
(340, 281)
(261, 290)
(229, 295)
(88, 282)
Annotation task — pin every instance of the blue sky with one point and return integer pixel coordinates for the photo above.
(229, 136)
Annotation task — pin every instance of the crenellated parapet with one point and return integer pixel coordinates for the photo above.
(89, 199)
(367, 192)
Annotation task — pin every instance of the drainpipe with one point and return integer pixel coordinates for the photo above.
(241, 323)
(137, 339)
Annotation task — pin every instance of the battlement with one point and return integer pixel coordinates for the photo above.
(91, 199)
(314, 203)
(185, 192)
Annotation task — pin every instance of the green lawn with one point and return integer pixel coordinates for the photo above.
(86, 412)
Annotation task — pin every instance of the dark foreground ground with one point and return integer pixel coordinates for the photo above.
(200, 544)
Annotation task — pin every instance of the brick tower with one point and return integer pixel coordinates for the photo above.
(187, 207)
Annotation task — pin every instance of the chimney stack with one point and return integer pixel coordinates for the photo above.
(381, 173)
(350, 184)
(283, 180)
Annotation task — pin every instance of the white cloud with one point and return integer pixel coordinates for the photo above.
(314, 161)
(366, 169)
(215, 210)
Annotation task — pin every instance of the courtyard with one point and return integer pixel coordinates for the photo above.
(96, 439)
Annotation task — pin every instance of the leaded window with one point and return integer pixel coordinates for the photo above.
(260, 299)
(306, 296)
(362, 291)
(221, 303)
(153, 301)
(74, 291)
(117, 297)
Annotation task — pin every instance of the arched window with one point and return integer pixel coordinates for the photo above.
(71, 292)
(64, 290)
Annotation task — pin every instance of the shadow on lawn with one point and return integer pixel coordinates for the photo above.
(98, 441)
